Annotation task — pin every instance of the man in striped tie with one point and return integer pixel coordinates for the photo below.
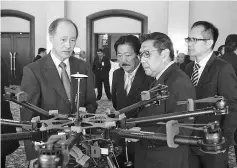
(211, 76)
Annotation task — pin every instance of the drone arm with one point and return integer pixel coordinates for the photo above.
(169, 116)
(34, 136)
(178, 139)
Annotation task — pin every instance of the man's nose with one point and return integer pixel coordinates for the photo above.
(67, 44)
(142, 59)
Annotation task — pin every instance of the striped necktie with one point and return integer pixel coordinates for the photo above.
(194, 77)
(65, 80)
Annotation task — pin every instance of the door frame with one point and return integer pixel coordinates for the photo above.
(90, 37)
(25, 16)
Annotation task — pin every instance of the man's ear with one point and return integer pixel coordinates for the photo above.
(50, 38)
(210, 43)
(165, 53)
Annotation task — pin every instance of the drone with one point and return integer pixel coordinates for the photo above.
(87, 140)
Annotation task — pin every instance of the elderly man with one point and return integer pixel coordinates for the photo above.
(211, 76)
(48, 81)
(157, 56)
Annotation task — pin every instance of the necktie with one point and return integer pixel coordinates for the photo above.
(194, 77)
(128, 83)
(65, 80)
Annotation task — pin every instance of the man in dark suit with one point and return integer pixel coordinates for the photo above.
(157, 55)
(211, 76)
(127, 50)
(231, 57)
(101, 68)
(183, 60)
(41, 54)
(6, 147)
(48, 82)
(231, 50)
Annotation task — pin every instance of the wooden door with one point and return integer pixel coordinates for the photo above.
(16, 54)
(6, 48)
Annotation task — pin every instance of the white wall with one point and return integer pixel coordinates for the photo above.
(38, 10)
(162, 15)
(178, 22)
(156, 12)
(13, 24)
(223, 14)
(117, 25)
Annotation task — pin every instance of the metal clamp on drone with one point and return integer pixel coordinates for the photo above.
(90, 144)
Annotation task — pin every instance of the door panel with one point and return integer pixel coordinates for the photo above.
(22, 56)
(6, 48)
(18, 43)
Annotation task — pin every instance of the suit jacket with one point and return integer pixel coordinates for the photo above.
(101, 68)
(37, 58)
(217, 78)
(45, 89)
(6, 147)
(120, 99)
(180, 88)
(231, 58)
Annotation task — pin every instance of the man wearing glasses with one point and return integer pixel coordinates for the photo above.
(157, 55)
(211, 76)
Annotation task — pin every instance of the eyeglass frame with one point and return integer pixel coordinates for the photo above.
(142, 53)
(194, 40)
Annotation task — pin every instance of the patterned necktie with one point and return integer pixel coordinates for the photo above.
(194, 77)
(128, 83)
(65, 80)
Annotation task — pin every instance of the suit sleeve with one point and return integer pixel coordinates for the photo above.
(114, 100)
(91, 104)
(31, 86)
(182, 90)
(108, 64)
(227, 87)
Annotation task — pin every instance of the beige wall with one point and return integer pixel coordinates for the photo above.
(38, 10)
(156, 12)
(162, 15)
(223, 14)
(13, 24)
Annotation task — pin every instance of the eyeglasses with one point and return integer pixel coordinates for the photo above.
(194, 40)
(146, 54)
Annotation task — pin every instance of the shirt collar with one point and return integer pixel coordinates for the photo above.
(167, 66)
(133, 72)
(204, 61)
(57, 61)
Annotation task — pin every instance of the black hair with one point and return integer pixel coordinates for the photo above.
(53, 26)
(40, 50)
(231, 43)
(161, 42)
(210, 31)
(131, 40)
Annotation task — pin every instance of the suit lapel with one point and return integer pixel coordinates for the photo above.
(121, 80)
(53, 78)
(137, 81)
(204, 75)
(190, 69)
(167, 73)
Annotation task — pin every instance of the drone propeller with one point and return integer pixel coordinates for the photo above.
(77, 75)
(205, 100)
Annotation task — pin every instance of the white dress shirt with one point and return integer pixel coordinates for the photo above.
(131, 75)
(202, 64)
(57, 62)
